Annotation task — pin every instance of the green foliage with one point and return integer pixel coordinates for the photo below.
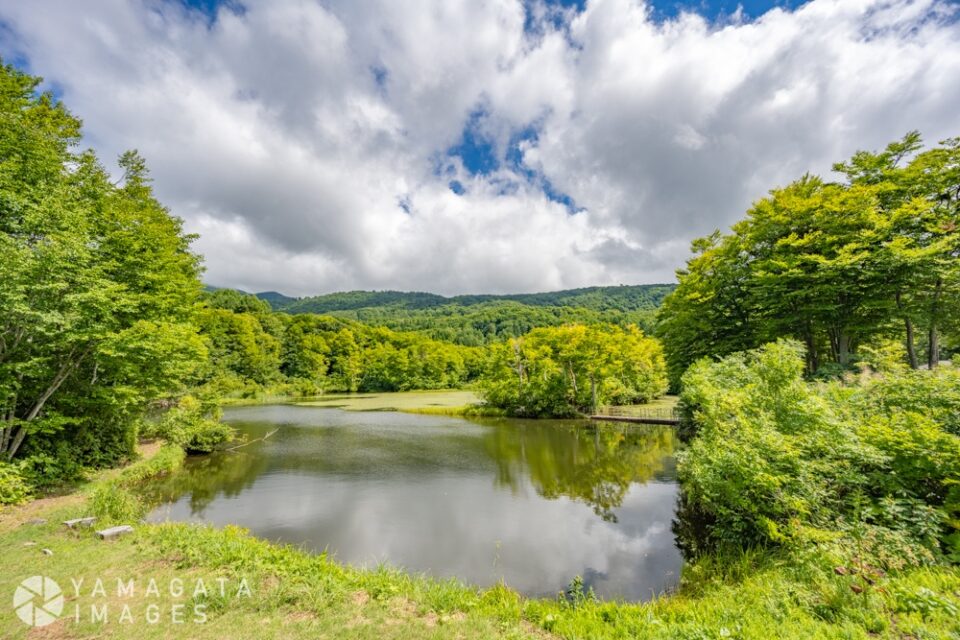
(577, 594)
(936, 396)
(115, 504)
(622, 298)
(166, 461)
(255, 351)
(925, 602)
(778, 461)
(238, 343)
(237, 302)
(14, 489)
(119, 500)
(838, 266)
(569, 370)
(97, 286)
(482, 319)
(51, 463)
(192, 425)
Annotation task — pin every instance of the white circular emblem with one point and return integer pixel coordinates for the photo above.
(38, 601)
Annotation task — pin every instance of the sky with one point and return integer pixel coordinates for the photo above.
(467, 146)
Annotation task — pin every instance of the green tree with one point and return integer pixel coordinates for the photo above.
(835, 265)
(98, 287)
(919, 199)
(239, 345)
(569, 370)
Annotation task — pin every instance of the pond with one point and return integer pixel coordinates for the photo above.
(531, 503)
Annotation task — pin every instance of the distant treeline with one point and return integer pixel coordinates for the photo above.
(549, 371)
(475, 320)
(253, 347)
(621, 298)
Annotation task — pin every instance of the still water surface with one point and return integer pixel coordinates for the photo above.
(532, 503)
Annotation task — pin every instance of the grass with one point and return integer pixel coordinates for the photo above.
(297, 595)
(442, 402)
(417, 401)
(293, 594)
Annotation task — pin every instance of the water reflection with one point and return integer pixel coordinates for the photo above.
(594, 464)
(529, 502)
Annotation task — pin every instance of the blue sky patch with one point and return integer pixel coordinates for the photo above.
(475, 149)
(379, 76)
(662, 9)
(209, 8)
(714, 9)
(710, 9)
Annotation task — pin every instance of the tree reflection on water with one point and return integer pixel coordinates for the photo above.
(593, 464)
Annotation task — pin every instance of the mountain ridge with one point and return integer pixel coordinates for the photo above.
(600, 298)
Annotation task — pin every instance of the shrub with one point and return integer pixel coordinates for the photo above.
(193, 425)
(113, 503)
(55, 467)
(206, 435)
(14, 489)
(118, 500)
(779, 461)
(935, 394)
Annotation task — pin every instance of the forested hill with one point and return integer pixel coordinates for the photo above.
(622, 298)
(481, 319)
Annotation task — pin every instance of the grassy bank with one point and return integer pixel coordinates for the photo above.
(449, 402)
(297, 595)
(413, 401)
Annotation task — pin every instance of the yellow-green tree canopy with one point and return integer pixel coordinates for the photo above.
(568, 370)
(834, 265)
(98, 288)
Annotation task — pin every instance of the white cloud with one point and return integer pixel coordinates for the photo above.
(307, 141)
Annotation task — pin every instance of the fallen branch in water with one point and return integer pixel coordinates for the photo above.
(252, 441)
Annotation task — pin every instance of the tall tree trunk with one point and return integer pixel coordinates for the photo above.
(933, 344)
(593, 393)
(834, 345)
(17, 441)
(908, 325)
(65, 369)
(911, 347)
(933, 354)
(843, 348)
(3, 431)
(518, 367)
(813, 358)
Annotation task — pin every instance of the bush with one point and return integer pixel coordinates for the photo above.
(192, 425)
(118, 500)
(781, 462)
(112, 503)
(51, 469)
(14, 489)
(935, 394)
(206, 435)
